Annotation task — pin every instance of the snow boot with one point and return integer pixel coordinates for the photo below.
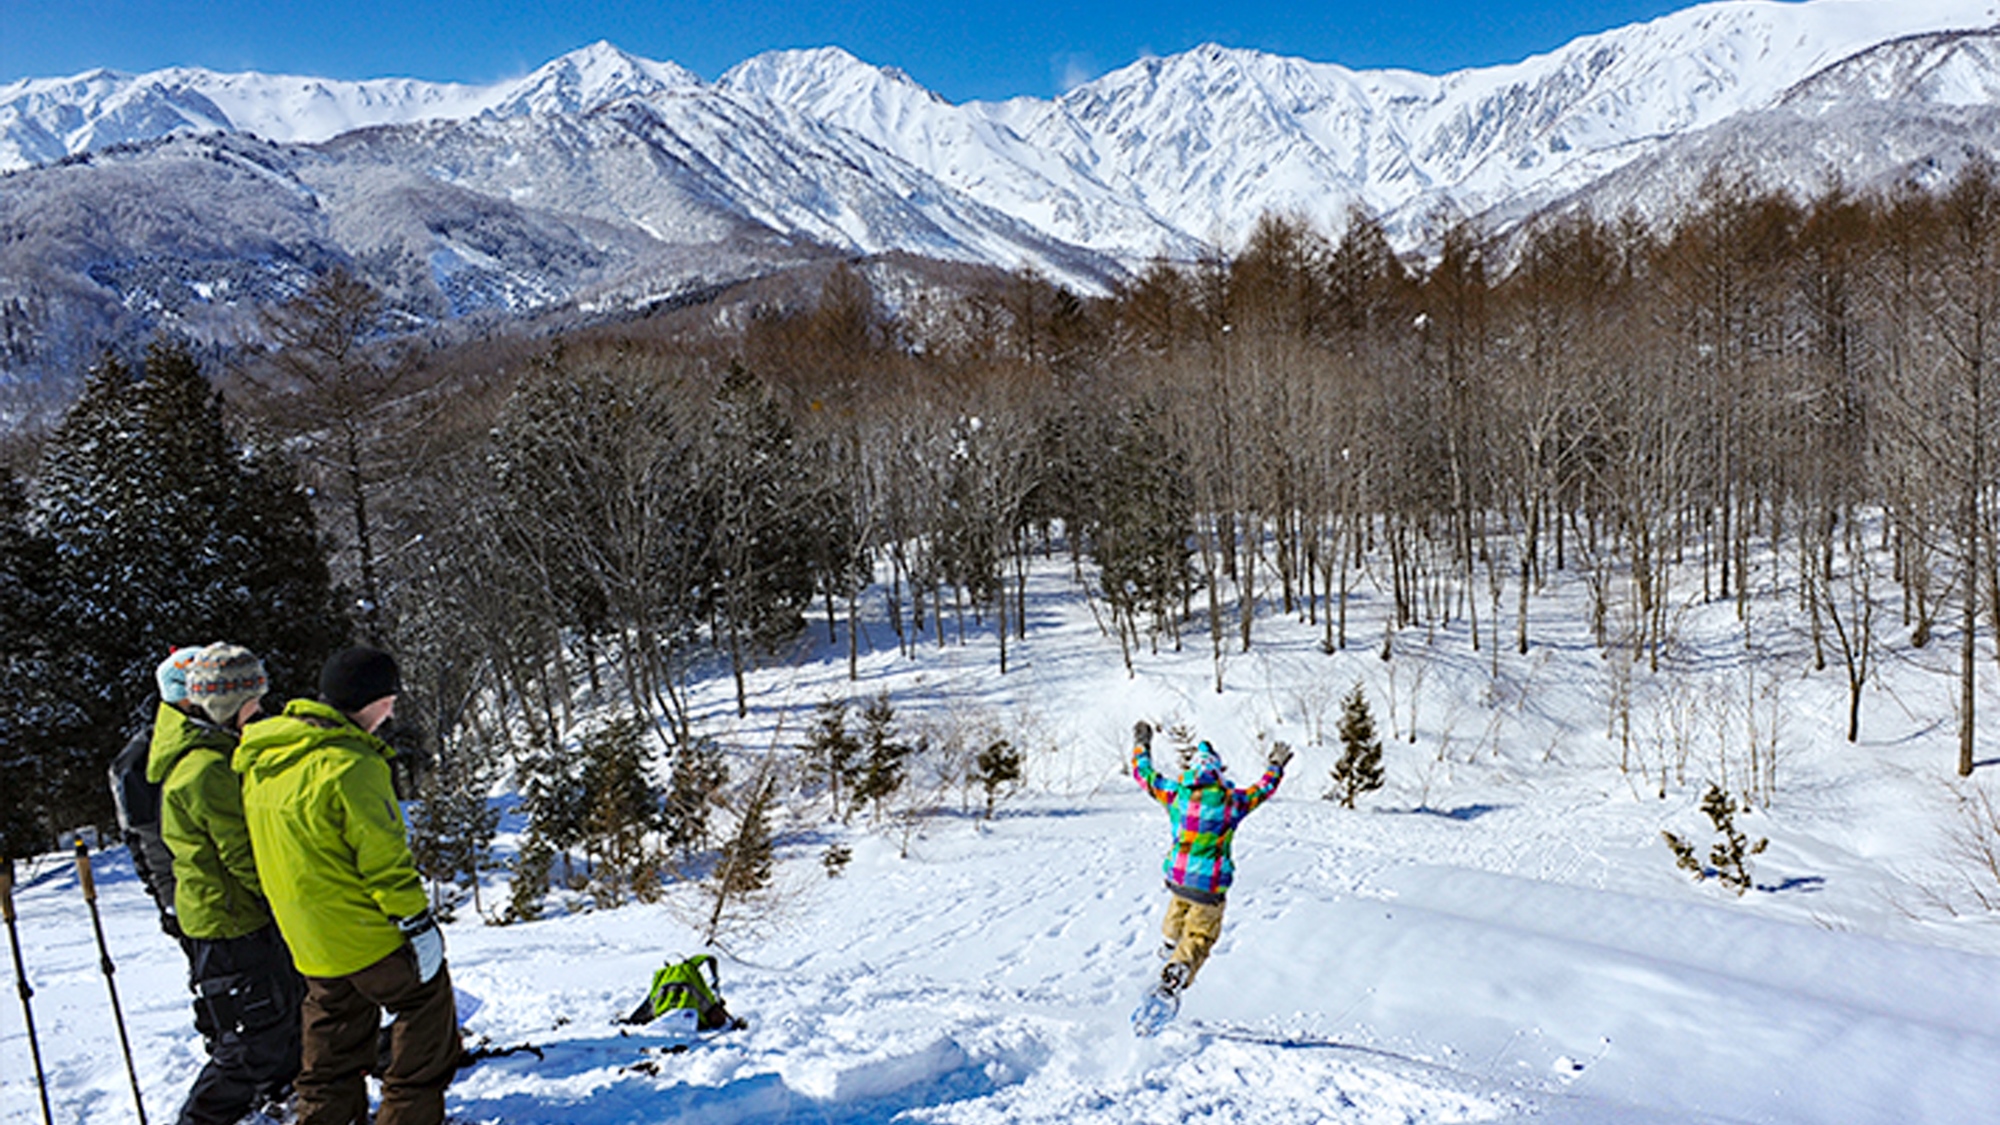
(1162, 1001)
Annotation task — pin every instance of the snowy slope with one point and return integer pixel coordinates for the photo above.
(1498, 935)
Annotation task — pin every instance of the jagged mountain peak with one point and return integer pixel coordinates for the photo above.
(828, 82)
(589, 77)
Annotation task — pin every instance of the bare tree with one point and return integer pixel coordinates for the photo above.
(330, 384)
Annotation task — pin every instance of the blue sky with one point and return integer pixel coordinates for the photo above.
(988, 50)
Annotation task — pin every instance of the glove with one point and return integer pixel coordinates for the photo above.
(426, 941)
(170, 924)
(1142, 735)
(1281, 752)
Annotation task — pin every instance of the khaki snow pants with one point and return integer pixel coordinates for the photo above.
(1192, 928)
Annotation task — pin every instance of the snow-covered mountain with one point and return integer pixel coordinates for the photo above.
(1206, 141)
(45, 119)
(603, 179)
(1168, 152)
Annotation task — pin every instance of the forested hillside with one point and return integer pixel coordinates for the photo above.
(621, 510)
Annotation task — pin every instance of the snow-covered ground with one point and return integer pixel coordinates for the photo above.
(1499, 934)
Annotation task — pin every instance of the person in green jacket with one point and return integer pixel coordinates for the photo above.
(246, 994)
(136, 798)
(335, 861)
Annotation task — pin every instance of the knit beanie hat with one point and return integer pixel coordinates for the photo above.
(1204, 766)
(355, 677)
(171, 675)
(222, 678)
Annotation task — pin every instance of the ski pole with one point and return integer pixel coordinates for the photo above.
(110, 980)
(21, 981)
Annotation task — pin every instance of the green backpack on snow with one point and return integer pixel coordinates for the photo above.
(680, 994)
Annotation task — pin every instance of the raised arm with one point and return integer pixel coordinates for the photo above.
(1142, 763)
(1274, 773)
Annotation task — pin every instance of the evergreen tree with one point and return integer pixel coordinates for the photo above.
(1359, 769)
(831, 752)
(26, 563)
(835, 859)
(1140, 537)
(697, 782)
(882, 763)
(1728, 857)
(452, 827)
(997, 765)
(162, 531)
(531, 880)
(621, 805)
(551, 784)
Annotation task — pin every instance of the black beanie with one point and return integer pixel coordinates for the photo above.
(355, 677)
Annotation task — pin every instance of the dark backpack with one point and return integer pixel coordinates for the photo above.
(138, 803)
(680, 991)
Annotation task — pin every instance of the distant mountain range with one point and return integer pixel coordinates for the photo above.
(603, 182)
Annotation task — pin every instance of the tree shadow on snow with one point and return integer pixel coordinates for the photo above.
(1463, 813)
(1807, 884)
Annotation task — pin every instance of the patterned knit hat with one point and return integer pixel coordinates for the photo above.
(222, 678)
(172, 674)
(1204, 765)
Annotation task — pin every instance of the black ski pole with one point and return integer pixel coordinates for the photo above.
(21, 980)
(110, 980)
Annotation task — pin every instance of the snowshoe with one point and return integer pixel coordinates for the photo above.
(1161, 1001)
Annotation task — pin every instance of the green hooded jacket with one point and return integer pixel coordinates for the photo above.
(329, 836)
(216, 890)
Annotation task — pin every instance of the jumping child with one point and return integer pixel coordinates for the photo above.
(1204, 810)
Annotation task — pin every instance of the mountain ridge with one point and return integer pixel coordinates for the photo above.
(603, 178)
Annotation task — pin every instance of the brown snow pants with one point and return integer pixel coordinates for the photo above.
(1192, 928)
(342, 1022)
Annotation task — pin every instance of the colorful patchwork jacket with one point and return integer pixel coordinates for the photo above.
(1205, 810)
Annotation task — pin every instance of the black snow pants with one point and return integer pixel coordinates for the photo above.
(246, 1007)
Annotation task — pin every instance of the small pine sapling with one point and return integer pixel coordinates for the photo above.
(452, 828)
(620, 806)
(997, 765)
(698, 780)
(835, 859)
(551, 782)
(881, 769)
(747, 862)
(831, 751)
(1729, 857)
(531, 880)
(1359, 769)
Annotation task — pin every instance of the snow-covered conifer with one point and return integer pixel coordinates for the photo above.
(1359, 769)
